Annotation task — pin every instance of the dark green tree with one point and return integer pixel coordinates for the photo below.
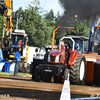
(39, 30)
(50, 15)
(36, 5)
(50, 19)
(81, 29)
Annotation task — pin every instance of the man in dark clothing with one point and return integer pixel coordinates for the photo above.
(67, 48)
(17, 58)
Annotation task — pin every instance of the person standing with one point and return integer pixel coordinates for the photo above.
(17, 58)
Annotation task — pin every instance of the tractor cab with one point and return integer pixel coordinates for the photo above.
(81, 43)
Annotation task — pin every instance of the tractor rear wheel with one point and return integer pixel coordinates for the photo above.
(78, 70)
(37, 74)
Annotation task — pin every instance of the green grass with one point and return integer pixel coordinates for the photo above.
(19, 73)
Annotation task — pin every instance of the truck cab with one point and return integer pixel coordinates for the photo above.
(18, 39)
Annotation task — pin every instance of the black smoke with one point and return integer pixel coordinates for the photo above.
(83, 8)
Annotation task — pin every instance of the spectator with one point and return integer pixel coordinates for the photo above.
(17, 58)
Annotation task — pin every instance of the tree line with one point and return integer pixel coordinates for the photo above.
(39, 25)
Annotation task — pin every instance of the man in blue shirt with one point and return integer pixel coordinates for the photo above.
(17, 58)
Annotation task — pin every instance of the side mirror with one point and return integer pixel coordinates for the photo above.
(36, 50)
(26, 39)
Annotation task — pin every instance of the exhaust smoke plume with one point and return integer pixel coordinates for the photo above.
(84, 9)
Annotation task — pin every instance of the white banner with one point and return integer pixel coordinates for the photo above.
(65, 95)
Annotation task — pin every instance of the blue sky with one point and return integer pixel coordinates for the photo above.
(45, 4)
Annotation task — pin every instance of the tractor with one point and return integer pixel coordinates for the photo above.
(61, 61)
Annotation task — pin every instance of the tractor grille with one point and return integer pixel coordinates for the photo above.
(53, 58)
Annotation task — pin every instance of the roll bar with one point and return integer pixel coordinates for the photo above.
(66, 38)
(55, 31)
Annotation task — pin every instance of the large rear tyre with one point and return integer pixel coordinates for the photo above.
(37, 74)
(78, 70)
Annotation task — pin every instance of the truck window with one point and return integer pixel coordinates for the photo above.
(17, 40)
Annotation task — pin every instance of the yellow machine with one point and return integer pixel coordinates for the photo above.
(6, 12)
(12, 41)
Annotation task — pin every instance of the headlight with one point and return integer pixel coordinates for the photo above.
(48, 58)
(57, 59)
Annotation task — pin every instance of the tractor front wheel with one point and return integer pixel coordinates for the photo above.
(78, 70)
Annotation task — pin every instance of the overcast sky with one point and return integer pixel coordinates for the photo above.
(45, 4)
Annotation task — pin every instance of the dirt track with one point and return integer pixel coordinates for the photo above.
(22, 88)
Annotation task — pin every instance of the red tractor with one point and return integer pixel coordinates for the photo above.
(61, 61)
